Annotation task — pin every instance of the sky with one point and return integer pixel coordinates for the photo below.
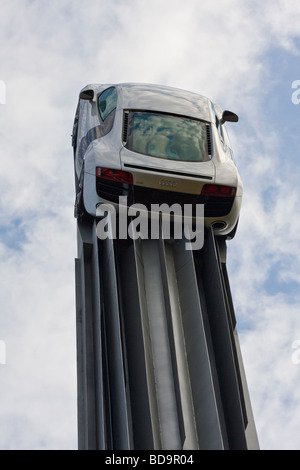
(243, 55)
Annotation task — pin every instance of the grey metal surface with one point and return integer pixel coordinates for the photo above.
(159, 364)
(221, 328)
(208, 414)
(149, 350)
(91, 422)
(140, 380)
(179, 355)
(115, 367)
(160, 343)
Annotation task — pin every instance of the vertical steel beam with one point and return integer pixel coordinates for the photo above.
(224, 346)
(141, 382)
(149, 353)
(91, 430)
(250, 431)
(208, 413)
(161, 349)
(186, 413)
(117, 402)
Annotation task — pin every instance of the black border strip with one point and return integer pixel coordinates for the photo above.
(169, 172)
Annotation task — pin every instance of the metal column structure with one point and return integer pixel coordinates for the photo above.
(159, 364)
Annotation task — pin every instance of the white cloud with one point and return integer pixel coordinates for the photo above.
(51, 50)
(37, 325)
(267, 351)
(282, 18)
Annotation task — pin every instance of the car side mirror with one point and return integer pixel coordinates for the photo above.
(87, 95)
(229, 116)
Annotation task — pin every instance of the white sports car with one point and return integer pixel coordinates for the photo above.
(155, 144)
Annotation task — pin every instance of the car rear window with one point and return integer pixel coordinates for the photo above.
(167, 136)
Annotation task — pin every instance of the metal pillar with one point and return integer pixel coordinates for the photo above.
(159, 364)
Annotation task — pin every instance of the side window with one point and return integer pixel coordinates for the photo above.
(75, 128)
(227, 141)
(223, 135)
(107, 102)
(220, 130)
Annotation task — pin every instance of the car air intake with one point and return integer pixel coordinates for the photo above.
(208, 138)
(218, 190)
(125, 127)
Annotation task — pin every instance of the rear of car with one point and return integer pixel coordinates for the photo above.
(157, 145)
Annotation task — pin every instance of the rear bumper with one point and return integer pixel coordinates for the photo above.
(214, 207)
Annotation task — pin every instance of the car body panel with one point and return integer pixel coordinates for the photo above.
(165, 99)
(148, 169)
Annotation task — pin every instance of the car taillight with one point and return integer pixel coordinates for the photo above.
(218, 190)
(114, 175)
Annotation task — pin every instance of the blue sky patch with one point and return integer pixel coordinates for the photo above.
(13, 234)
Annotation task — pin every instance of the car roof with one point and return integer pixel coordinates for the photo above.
(159, 98)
